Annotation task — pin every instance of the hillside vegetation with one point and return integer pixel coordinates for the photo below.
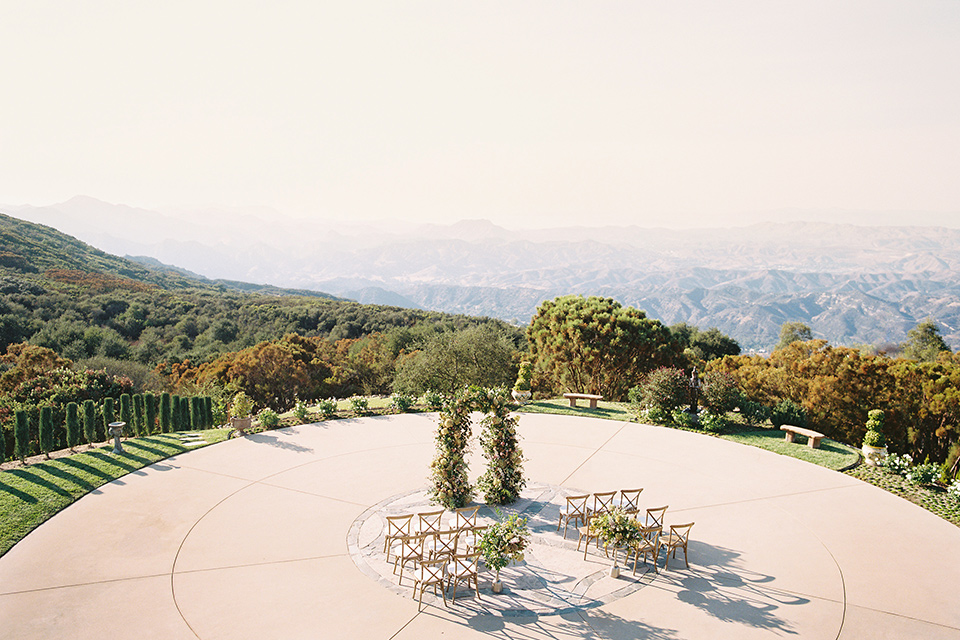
(60, 293)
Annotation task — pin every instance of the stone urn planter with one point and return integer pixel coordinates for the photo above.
(521, 397)
(240, 426)
(874, 456)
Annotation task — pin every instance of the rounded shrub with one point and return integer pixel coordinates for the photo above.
(788, 412)
(268, 419)
(665, 388)
(719, 392)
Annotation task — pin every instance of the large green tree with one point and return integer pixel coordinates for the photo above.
(791, 332)
(924, 342)
(450, 360)
(596, 345)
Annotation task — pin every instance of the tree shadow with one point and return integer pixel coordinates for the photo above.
(29, 476)
(110, 458)
(59, 472)
(80, 466)
(595, 624)
(271, 440)
(140, 446)
(719, 585)
(16, 493)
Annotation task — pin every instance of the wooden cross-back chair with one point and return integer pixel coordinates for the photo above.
(465, 568)
(586, 536)
(430, 573)
(397, 527)
(603, 502)
(468, 540)
(429, 522)
(576, 510)
(630, 500)
(465, 517)
(647, 545)
(441, 544)
(677, 539)
(655, 516)
(410, 551)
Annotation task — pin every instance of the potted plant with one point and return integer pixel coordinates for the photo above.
(502, 543)
(617, 529)
(874, 443)
(521, 390)
(240, 412)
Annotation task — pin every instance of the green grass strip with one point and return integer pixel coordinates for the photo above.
(831, 454)
(30, 495)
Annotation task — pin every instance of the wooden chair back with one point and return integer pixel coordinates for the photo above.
(429, 522)
(603, 502)
(630, 500)
(655, 516)
(465, 517)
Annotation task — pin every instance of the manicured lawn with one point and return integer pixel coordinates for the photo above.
(31, 494)
(607, 410)
(831, 454)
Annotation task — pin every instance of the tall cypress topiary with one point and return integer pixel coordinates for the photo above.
(89, 421)
(46, 431)
(185, 413)
(126, 411)
(196, 413)
(149, 413)
(208, 408)
(165, 412)
(175, 413)
(22, 435)
(108, 416)
(138, 417)
(73, 425)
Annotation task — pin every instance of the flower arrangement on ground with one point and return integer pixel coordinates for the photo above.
(616, 528)
(504, 542)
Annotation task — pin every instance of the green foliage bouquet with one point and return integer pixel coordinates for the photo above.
(616, 528)
(504, 542)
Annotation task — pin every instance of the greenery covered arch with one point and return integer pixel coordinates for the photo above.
(503, 479)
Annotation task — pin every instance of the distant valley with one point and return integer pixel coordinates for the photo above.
(851, 284)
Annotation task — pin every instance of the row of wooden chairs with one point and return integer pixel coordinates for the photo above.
(411, 524)
(443, 554)
(580, 508)
(651, 540)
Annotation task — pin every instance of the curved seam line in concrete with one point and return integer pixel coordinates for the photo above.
(843, 583)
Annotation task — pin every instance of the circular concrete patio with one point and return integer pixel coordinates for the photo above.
(250, 539)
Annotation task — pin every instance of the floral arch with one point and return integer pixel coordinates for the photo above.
(503, 480)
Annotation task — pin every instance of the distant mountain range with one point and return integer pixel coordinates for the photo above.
(851, 284)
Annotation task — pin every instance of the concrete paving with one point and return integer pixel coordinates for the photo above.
(251, 539)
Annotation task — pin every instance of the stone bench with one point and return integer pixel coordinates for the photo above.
(813, 437)
(573, 397)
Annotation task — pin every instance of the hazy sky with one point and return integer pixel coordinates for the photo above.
(665, 113)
